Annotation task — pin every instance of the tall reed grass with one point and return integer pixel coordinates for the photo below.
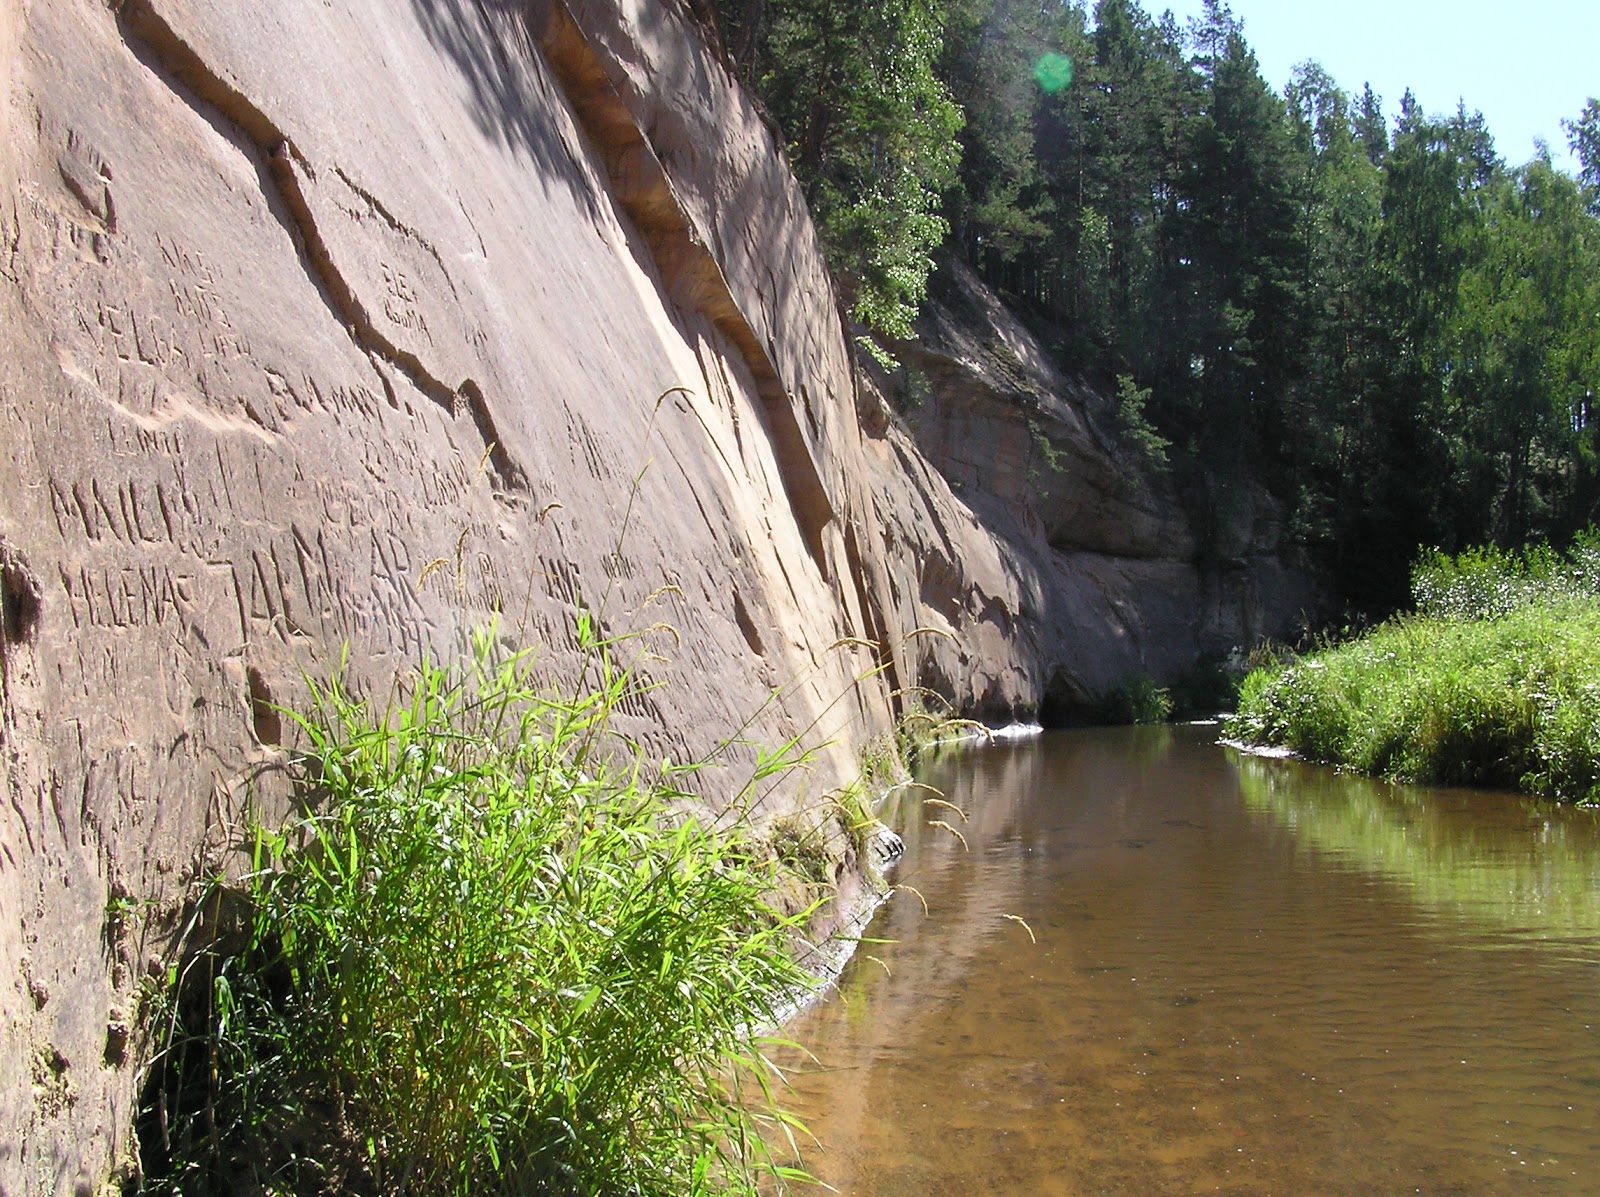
(490, 956)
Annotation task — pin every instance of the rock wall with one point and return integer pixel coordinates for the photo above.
(1118, 582)
(356, 325)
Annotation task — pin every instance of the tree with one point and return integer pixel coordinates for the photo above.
(1371, 130)
(1526, 363)
(871, 130)
(1106, 150)
(1473, 147)
(1238, 262)
(1583, 135)
(1331, 404)
(1420, 254)
(998, 209)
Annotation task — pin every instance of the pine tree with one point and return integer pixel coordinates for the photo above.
(1240, 258)
(1583, 135)
(998, 210)
(871, 130)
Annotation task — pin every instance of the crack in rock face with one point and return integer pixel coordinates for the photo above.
(293, 178)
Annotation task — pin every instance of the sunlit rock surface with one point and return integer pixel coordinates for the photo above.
(355, 325)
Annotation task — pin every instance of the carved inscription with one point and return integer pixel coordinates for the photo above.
(197, 300)
(60, 239)
(351, 399)
(129, 597)
(400, 302)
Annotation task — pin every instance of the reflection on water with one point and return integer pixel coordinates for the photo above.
(1250, 977)
(1526, 868)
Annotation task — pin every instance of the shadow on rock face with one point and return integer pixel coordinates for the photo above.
(494, 45)
(21, 601)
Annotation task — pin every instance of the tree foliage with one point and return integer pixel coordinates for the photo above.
(871, 129)
(1383, 323)
(1583, 134)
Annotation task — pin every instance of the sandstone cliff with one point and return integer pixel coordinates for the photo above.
(356, 324)
(1120, 583)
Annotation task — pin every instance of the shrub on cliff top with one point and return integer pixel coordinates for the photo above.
(485, 959)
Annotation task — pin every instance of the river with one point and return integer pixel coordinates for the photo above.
(1156, 966)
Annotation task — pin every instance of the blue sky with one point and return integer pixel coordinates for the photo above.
(1525, 64)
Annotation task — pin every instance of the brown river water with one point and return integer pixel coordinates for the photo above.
(1250, 977)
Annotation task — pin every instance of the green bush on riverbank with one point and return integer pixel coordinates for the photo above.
(487, 958)
(1495, 682)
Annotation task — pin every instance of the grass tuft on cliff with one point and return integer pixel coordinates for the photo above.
(1495, 681)
(486, 958)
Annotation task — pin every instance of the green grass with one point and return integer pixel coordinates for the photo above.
(1136, 700)
(1496, 684)
(490, 956)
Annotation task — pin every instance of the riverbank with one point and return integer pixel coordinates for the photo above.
(1495, 681)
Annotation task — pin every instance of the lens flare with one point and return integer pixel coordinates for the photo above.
(1053, 73)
